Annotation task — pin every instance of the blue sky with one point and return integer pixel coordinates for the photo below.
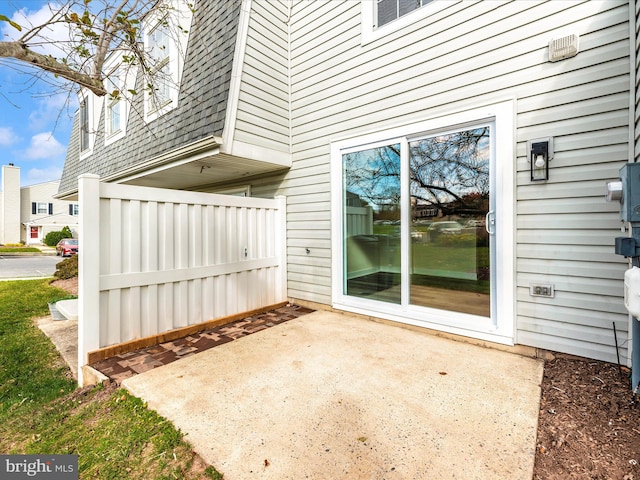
(35, 117)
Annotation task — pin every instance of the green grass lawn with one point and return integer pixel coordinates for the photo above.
(42, 412)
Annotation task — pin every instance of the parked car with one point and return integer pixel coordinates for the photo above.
(443, 228)
(67, 247)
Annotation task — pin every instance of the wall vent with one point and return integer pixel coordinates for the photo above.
(564, 47)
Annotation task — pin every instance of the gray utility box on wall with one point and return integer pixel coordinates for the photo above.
(630, 201)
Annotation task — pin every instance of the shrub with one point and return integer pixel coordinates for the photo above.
(52, 238)
(67, 268)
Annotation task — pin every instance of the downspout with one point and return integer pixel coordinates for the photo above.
(289, 75)
(634, 328)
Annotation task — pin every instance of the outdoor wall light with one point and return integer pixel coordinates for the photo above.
(540, 152)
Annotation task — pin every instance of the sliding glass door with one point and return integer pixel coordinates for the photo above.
(418, 221)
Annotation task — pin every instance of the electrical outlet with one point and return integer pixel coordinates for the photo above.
(542, 290)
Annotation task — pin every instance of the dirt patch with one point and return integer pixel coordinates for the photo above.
(589, 426)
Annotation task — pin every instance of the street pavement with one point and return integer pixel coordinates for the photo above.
(35, 266)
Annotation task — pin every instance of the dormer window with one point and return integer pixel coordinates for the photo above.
(165, 42)
(84, 125)
(89, 114)
(160, 53)
(120, 84)
(114, 104)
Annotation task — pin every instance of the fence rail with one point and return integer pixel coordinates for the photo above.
(155, 260)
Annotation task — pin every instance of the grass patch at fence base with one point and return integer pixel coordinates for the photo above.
(42, 412)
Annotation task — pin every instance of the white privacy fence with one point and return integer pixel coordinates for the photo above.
(155, 260)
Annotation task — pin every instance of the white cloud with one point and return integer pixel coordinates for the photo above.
(55, 109)
(41, 175)
(8, 137)
(44, 146)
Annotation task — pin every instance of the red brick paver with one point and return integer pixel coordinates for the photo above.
(131, 363)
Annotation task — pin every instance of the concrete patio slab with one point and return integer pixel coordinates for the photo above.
(333, 396)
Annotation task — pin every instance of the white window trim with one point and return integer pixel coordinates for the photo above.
(94, 107)
(126, 84)
(179, 15)
(501, 114)
(370, 32)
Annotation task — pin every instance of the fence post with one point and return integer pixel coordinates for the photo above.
(88, 269)
(281, 245)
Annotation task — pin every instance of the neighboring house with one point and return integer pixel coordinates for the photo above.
(29, 213)
(399, 104)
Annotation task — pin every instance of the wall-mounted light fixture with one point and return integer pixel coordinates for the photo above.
(540, 152)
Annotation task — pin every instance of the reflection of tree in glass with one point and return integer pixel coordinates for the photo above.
(452, 168)
(374, 175)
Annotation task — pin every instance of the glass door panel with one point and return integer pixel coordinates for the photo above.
(450, 185)
(371, 223)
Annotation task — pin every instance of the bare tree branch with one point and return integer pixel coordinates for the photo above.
(20, 52)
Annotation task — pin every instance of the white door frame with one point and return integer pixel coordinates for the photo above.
(500, 329)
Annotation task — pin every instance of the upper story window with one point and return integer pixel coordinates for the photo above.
(165, 42)
(383, 17)
(160, 53)
(41, 208)
(114, 104)
(89, 115)
(120, 84)
(84, 124)
(74, 209)
(389, 10)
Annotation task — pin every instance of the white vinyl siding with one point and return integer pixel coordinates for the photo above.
(464, 56)
(262, 118)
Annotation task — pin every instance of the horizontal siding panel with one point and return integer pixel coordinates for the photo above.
(256, 135)
(561, 237)
(559, 268)
(302, 234)
(305, 269)
(576, 190)
(594, 123)
(311, 295)
(575, 109)
(568, 345)
(311, 243)
(300, 279)
(598, 335)
(305, 207)
(594, 318)
(252, 95)
(591, 89)
(572, 343)
(567, 205)
(272, 74)
(571, 221)
(263, 123)
(578, 253)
